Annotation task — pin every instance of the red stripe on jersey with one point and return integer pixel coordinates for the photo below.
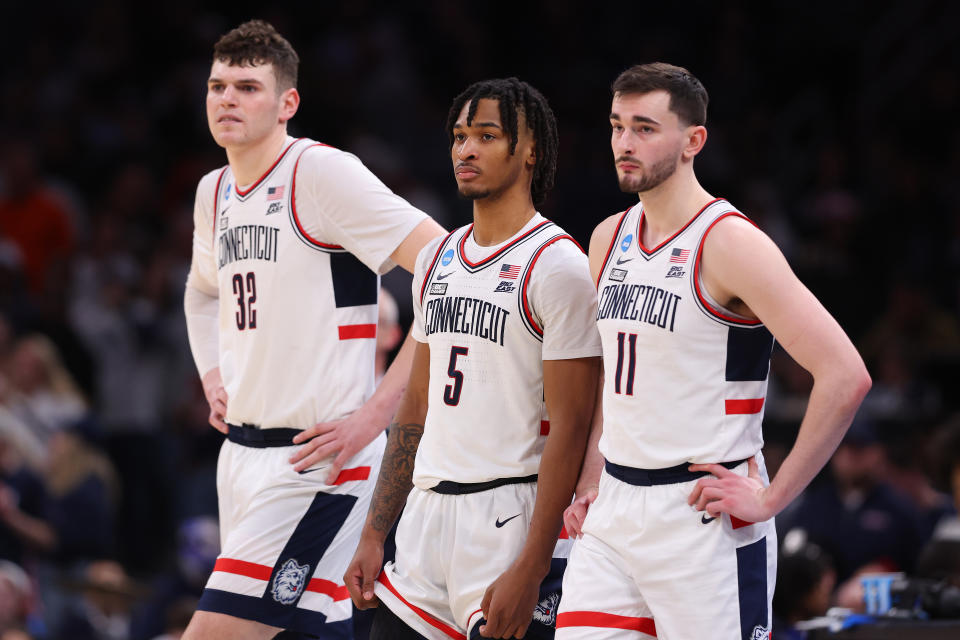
(748, 406)
(439, 624)
(679, 231)
(544, 427)
(606, 620)
(463, 241)
(293, 202)
(426, 276)
(354, 331)
(332, 589)
(267, 172)
(349, 475)
(737, 523)
(243, 568)
(696, 275)
(563, 534)
(526, 279)
(216, 203)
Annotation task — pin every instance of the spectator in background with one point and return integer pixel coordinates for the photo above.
(856, 516)
(102, 612)
(33, 217)
(805, 582)
(389, 332)
(16, 600)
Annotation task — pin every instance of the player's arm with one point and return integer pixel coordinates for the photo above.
(394, 482)
(742, 265)
(406, 254)
(589, 482)
(201, 305)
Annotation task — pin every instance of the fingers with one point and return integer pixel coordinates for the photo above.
(718, 470)
(698, 488)
(573, 517)
(753, 469)
(314, 431)
(709, 494)
(216, 421)
(337, 465)
(314, 451)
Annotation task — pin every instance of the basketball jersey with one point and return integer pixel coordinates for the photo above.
(684, 378)
(491, 316)
(295, 260)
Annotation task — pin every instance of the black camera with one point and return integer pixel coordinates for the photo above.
(925, 598)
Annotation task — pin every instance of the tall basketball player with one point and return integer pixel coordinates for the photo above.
(290, 238)
(691, 296)
(486, 446)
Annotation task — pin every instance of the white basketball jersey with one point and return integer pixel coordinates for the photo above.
(294, 259)
(684, 378)
(490, 322)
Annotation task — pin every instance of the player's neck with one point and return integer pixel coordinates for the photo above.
(670, 206)
(498, 218)
(249, 162)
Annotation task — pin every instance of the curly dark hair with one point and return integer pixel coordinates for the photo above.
(256, 42)
(516, 96)
(688, 97)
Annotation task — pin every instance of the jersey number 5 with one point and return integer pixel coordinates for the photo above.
(451, 393)
(247, 315)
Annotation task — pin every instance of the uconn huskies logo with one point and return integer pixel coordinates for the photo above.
(546, 610)
(760, 633)
(447, 257)
(289, 582)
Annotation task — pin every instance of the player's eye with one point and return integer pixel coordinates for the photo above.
(459, 137)
(487, 137)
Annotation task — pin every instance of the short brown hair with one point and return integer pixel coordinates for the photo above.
(256, 42)
(688, 98)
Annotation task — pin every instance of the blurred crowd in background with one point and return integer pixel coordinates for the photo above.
(832, 125)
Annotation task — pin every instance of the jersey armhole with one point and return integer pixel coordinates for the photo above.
(613, 243)
(528, 319)
(433, 264)
(706, 304)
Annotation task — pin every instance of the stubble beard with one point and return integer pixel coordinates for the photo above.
(651, 179)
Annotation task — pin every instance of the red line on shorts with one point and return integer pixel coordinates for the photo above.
(243, 568)
(353, 331)
(563, 534)
(349, 475)
(544, 427)
(332, 589)
(737, 523)
(447, 629)
(744, 407)
(608, 620)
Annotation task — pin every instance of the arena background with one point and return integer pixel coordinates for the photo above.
(832, 124)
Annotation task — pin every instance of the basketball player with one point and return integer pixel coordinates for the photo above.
(281, 308)
(691, 296)
(503, 316)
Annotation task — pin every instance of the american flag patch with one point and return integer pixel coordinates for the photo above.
(510, 271)
(274, 193)
(679, 255)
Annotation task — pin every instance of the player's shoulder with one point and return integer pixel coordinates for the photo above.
(603, 233)
(429, 251)
(207, 187)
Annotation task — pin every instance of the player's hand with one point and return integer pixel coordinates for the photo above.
(216, 397)
(728, 492)
(508, 603)
(363, 572)
(345, 438)
(576, 513)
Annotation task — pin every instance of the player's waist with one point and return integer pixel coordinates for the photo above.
(459, 488)
(249, 435)
(668, 475)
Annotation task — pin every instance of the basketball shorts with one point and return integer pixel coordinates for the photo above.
(286, 537)
(451, 547)
(650, 565)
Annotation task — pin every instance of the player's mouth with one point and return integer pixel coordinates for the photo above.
(628, 166)
(228, 119)
(466, 172)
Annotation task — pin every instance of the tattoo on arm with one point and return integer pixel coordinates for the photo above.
(396, 475)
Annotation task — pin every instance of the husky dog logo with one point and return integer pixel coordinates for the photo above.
(760, 633)
(289, 582)
(546, 610)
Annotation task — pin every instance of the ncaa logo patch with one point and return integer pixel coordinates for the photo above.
(289, 582)
(447, 257)
(760, 633)
(546, 610)
(627, 241)
(226, 194)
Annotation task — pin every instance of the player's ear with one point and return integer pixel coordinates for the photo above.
(696, 137)
(289, 103)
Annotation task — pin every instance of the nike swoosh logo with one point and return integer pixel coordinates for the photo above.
(705, 520)
(444, 276)
(500, 524)
(225, 209)
(622, 261)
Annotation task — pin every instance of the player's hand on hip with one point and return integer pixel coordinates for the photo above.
(508, 604)
(216, 397)
(576, 513)
(362, 574)
(727, 492)
(343, 438)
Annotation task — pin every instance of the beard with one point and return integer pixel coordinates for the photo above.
(652, 178)
(468, 192)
